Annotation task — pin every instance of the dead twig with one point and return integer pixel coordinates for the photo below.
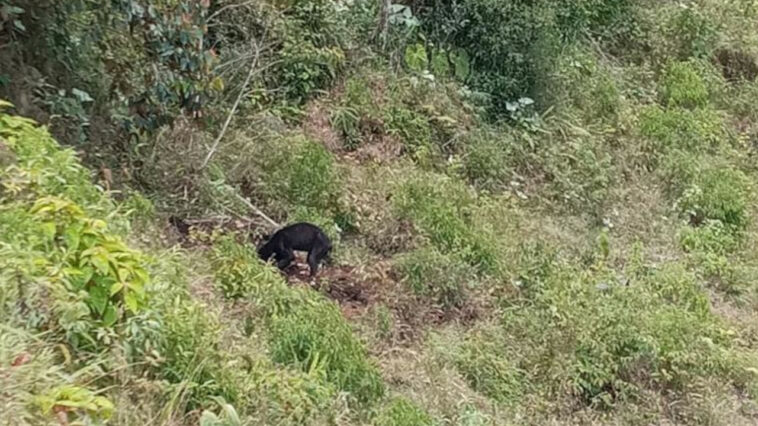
(256, 210)
(251, 72)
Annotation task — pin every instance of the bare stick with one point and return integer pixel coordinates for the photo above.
(256, 210)
(250, 74)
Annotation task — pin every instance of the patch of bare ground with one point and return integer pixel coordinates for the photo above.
(358, 289)
(382, 149)
(318, 126)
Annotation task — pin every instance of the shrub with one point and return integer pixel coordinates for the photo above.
(307, 67)
(581, 173)
(241, 274)
(713, 236)
(508, 43)
(410, 126)
(709, 246)
(442, 208)
(485, 159)
(314, 335)
(444, 278)
(191, 349)
(609, 338)
(720, 194)
(346, 121)
(583, 86)
(401, 412)
(487, 368)
(94, 280)
(681, 86)
(697, 131)
(35, 382)
(689, 32)
(49, 169)
(302, 172)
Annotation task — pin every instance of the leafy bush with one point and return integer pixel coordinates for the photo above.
(581, 173)
(583, 86)
(442, 208)
(347, 122)
(488, 370)
(307, 67)
(94, 278)
(712, 237)
(708, 247)
(401, 412)
(690, 32)
(302, 172)
(35, 382)
(314, 335)
(683, 87)
(720, 194)
(609, 340)
(410, 126)
(444, 278)
(359, 113)
(666, 131)
(509, 43)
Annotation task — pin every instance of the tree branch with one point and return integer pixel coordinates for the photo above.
(256, 210)
(249, 77)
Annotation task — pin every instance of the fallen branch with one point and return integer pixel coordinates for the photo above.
(257, 211)
(249, 77)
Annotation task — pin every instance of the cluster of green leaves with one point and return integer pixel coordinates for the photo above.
(401, 412)
(164, 68)
(173, 41)
(720, 194)
(39, 389)
(443, 278)
(98, 279)
(444, 209)
(509, 44)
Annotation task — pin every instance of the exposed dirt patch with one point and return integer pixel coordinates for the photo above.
(358, 289)
(317, 126)
(736, 64)
(381, 149)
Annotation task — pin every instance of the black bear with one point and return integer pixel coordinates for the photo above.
(301, 237)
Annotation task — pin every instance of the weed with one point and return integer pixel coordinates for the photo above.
(443, 278)
(683, 87)
(401, 412)
(442, 207)
(720, 194)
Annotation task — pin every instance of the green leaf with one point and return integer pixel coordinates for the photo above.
(98, 298)
(116, 287)
(100, 262)
(132, 303)
(110, 316)
(48, 230)
(72, 236)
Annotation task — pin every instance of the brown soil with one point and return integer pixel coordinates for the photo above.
(358, 289)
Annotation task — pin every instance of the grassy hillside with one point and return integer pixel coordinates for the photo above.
(542, 213)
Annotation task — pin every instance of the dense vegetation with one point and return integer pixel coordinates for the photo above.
(543, 212)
